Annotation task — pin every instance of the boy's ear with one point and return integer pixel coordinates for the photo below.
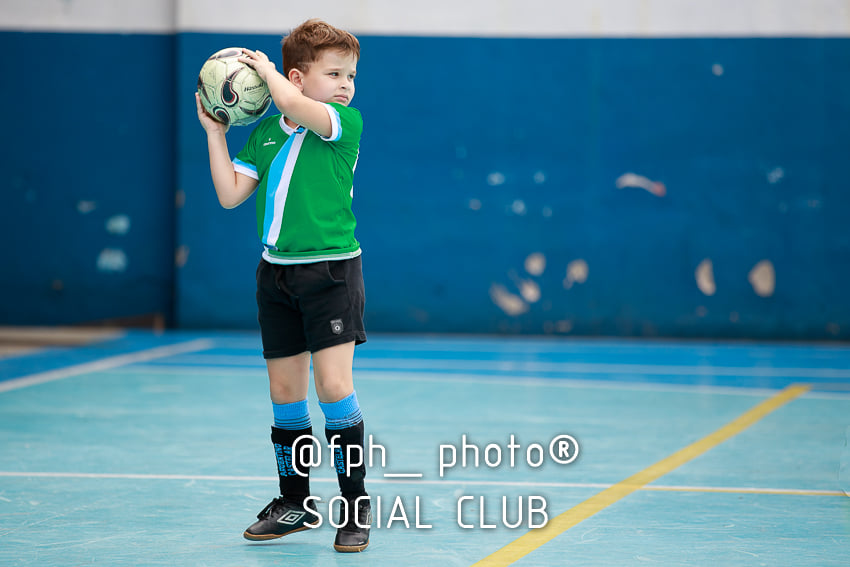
(296, 77)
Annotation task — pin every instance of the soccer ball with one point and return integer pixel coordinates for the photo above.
(230, 90)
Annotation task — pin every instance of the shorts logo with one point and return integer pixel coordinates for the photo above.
(291, 517)
(336, 326)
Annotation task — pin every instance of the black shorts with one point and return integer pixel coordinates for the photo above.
(308, 307)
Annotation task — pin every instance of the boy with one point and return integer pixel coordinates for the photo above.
(310, 293)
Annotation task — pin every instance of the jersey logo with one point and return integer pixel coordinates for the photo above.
(336, 326)
(270, 142)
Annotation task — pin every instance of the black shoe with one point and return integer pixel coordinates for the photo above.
(352, 537)
(281, 518)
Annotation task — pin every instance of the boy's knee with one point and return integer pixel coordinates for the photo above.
(334, 389)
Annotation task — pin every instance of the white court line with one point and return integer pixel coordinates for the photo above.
(569, 383)
(400, 377)
(451, 343)
(603, 368)
(458, 482)
(105, 364)
(366, 363)
(403, 475)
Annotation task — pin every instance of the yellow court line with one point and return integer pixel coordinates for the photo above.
(532, 540)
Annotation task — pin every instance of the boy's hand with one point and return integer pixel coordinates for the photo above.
(210, 124)
(258, 61)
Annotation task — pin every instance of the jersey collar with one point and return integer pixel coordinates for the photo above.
(287, 130)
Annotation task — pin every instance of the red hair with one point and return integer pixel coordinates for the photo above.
(304, 45)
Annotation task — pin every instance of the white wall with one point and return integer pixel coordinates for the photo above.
(520, 18)
(148, 16)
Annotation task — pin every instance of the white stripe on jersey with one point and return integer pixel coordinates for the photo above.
(240, 166)
(283, 187)
(336, 124)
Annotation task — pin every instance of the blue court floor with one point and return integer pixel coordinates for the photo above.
(153, 449)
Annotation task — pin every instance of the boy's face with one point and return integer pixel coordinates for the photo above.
(331, 78)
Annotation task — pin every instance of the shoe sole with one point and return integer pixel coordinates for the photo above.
(266, 537)
(351, 548)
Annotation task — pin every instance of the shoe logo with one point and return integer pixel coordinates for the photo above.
(336, 326)
(291, 517)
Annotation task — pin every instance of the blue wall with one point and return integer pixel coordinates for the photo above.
(477, 154)
(87, 220)
(480, 152)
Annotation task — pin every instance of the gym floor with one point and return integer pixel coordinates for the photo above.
(142, 448)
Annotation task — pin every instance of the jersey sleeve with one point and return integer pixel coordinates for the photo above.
(245, 161)
(346, 125)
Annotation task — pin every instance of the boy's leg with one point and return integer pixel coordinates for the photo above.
(333, 372)
(289, 378)
(332, 369)
(288, 381)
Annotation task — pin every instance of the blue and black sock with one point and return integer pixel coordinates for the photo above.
(291, 421)
(344, 430)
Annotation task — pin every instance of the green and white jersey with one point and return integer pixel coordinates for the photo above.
(305, 187)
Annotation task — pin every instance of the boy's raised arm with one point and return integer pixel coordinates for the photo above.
(287, 97)
(232, 188)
